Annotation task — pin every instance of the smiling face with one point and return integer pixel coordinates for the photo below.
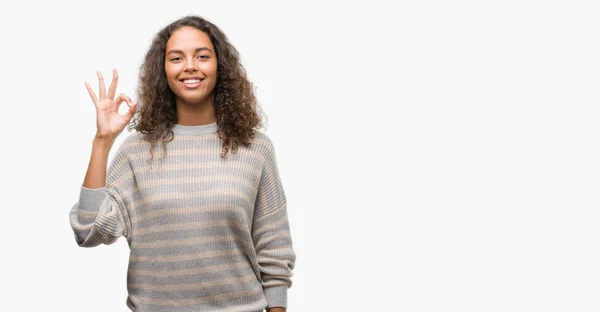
(191, 66)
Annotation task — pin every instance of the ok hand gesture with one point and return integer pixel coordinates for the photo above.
(108, 120)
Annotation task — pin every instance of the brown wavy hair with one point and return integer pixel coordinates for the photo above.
(234, 102)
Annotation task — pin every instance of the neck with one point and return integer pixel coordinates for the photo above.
(195, 114)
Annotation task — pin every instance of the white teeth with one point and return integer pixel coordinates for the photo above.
(191, 81)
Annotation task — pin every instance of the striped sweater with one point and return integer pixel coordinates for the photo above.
(205, 233)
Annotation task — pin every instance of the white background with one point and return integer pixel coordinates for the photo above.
(436, 155)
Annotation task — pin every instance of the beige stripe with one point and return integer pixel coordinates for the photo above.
(199, 179)
(265, 257)
(195, 286)
(186, 302)
(194, 256)
(86, 214)
(270, 226)
(184, 272)
(191, 152)
(276, 248)
(175, 181)
(224, 192)
(269, 239)
(256, 140)
(141, 143)
(86, 220)
(173, 227)
(182, 242)
(138, 142)
(184, 139)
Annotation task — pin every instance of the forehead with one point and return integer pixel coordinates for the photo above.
(188, 38)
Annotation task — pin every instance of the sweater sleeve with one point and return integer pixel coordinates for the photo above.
(101, 215)
(271, 234)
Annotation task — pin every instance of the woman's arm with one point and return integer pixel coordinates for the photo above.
(271, 233)
(101, 214)
(95, 176)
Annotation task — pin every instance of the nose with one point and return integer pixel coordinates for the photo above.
(190, 65)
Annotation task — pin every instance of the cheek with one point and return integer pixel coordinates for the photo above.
(170, 71)
(210, 69)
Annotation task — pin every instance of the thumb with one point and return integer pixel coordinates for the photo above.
(129, 114)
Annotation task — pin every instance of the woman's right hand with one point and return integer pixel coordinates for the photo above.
(109, 122)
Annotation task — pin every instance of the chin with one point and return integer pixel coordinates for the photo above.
(193, 100)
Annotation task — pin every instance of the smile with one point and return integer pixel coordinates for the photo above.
(191, 83)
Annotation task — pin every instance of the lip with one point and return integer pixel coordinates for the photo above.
(191, 86)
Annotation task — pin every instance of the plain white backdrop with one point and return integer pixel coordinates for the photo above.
(436, 155)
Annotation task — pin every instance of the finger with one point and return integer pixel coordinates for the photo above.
(122, 97)
(91, 92)
(129, 114)
(102, 89)
(113, 85)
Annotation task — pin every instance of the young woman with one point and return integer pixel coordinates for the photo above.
(206, 222)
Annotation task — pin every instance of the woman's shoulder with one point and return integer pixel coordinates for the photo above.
(262, 141)
(262, 144)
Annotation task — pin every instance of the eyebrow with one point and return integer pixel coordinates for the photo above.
(197, 50)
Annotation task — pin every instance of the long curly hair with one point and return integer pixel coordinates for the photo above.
(234, 102)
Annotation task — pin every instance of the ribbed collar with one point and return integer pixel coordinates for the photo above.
(195, 130)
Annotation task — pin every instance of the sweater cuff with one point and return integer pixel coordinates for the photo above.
(91, 199)
(276, 296)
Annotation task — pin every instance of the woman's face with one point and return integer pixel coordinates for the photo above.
(191, 65)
